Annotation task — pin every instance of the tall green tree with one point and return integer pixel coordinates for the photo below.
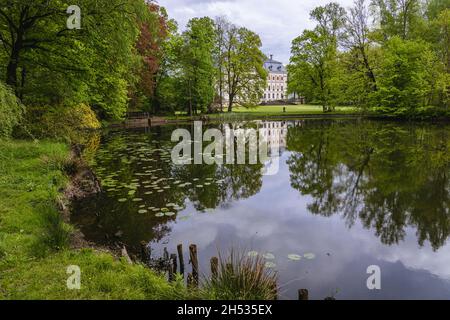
(314, 56)
(48, 64)
(243, 64)
(198, 65)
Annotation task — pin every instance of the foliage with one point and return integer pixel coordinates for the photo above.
(398, 65)
(49, 64)
(61, 122)
(197, 65)
(245, 77)
(404, 81)
(313, 62)
(10, 111)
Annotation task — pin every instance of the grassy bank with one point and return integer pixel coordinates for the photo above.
(269, 111)
(291, 110)
(35, 241)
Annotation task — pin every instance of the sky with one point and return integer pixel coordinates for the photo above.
(277, 22)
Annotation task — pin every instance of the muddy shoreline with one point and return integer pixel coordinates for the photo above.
(83, 183)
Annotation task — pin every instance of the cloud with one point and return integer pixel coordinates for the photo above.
(277, 22)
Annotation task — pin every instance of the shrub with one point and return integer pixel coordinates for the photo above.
(10, 111)
(61, 122)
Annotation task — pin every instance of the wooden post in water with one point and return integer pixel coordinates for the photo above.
(214, 267)
(194, 261)
(181, 258)
(170, 271)
(173, 259)
(303, 294)
(172, 267)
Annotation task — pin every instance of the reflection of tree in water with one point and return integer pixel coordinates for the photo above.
(388, 176)
(134, 156)
(225, 182)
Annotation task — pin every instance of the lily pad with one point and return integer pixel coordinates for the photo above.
(268, 256)
(159, 215)
(294, 257)
(122, 200)
(270, 265)
(142, 211)
(309, 256)
(169, 214)
(252, 254)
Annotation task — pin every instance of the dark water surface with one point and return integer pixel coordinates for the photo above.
(349, 194)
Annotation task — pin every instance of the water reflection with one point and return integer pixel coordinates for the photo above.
(388, 176)
(355, 193)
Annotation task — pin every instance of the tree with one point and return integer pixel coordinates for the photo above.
(58, 66)
(357, 37)
(314, 56)
(245, 74)
(221, 27)
(154, 31)
(197, 64)
(404, 76)
(397, 17)
(24, 27)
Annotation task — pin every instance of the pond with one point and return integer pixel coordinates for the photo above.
(348, 194)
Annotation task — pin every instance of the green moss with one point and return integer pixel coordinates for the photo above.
(34, 252)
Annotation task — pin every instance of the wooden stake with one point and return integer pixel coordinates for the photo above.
(303, 294)
(181, 258)
(173, 260)
(194, 261)
(214, 267)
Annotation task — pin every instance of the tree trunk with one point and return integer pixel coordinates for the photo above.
(230, 103)
(190, 99)
(11, 71)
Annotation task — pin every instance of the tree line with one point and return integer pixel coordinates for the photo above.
(390, 56)
(127, 54)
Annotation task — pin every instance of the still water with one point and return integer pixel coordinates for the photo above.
(349, 194)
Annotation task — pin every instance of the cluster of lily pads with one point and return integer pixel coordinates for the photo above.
(125, 184)
(269, 257)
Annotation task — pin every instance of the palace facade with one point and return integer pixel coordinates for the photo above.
(276, 82)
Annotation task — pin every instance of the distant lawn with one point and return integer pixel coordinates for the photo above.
(290, 109)
(271, 110)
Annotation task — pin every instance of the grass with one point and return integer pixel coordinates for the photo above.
(241, 113)
(291, 110)
(34, 239)
(240, 277)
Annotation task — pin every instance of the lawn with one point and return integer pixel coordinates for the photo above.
(290, 109)
(35, 241)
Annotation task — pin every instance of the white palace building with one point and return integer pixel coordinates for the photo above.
(276, 81)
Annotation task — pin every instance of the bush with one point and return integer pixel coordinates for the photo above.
(10, 111)
(61, 122)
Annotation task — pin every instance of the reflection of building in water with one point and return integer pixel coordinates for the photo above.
(275, 133)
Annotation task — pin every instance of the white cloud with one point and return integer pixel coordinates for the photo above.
(277, 22)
